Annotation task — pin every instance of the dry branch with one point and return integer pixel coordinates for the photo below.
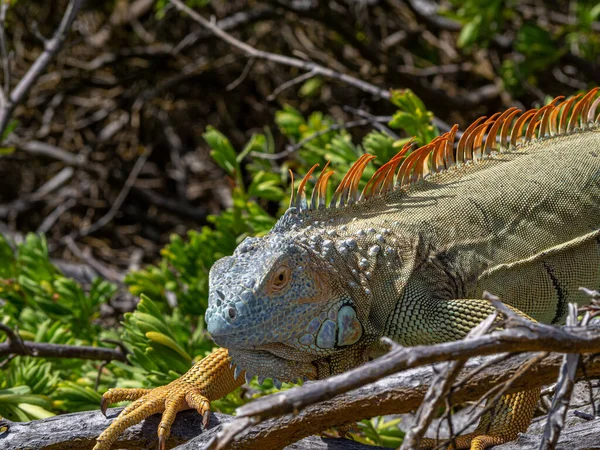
(564, 389)
(397, 394)
(51, 48)
(78, 431)
(394, 394)
(14, 345)
(439, 390)
(519, 335)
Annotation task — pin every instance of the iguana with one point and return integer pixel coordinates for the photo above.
(514, 210)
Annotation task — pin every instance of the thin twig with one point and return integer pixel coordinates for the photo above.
(51, 218)
(51, 48)
(377, 121)
(497, 360)
(290, 83)
(175, 151)
(110, 215)
(99, 374)
(52, 151)
(105, 271)
(229, 23)
(247, 68)
(16, 346)
(4, 53)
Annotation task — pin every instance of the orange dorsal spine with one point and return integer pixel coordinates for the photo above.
(501, 132)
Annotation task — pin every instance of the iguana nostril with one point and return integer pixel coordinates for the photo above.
(232, 313)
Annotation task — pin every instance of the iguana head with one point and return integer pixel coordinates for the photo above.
(285, 301)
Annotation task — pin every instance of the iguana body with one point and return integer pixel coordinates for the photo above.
(517, 214)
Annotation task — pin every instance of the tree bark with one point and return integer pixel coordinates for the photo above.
(398, 393)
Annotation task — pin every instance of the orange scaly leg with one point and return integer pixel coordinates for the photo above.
(208, 380)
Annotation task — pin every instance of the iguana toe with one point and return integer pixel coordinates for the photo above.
(137, 411)
(200, 403)
(120, 395)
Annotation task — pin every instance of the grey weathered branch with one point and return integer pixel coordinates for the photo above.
(78, 431)
(51, 151)
(51, 47)
(398, 393)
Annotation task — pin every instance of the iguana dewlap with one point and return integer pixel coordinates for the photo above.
(515, 210)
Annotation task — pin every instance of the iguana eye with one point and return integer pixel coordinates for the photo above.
(280, 279)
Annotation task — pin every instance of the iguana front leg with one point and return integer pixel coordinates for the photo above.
(448, 320)
(511, 416)
(208, 380)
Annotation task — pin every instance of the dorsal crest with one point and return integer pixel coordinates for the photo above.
(505, 131)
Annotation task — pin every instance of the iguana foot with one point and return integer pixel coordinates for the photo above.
(208, 380)
(471, 441)
(169, 400)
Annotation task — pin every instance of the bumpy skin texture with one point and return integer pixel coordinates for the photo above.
(521, 219)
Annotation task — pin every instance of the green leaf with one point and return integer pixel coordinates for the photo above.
(12, 125)
(266, 185)
(222, 150)
(289, 121)
(165, 340)
(311, 87)
(35, 412)
(257, 143)
(594, 13)
(469, 33)
(413, 116)
(404, 120)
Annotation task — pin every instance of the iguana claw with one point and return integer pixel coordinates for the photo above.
(103, 406)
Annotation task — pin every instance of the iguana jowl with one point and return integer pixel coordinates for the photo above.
(515, 210)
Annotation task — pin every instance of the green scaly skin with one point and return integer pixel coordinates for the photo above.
(314, 297)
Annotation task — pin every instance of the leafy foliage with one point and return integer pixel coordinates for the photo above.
(45, 306)
(536, 45)
(379, 431)
(413, 116)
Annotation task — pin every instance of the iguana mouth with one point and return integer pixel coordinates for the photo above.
(274, 364)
